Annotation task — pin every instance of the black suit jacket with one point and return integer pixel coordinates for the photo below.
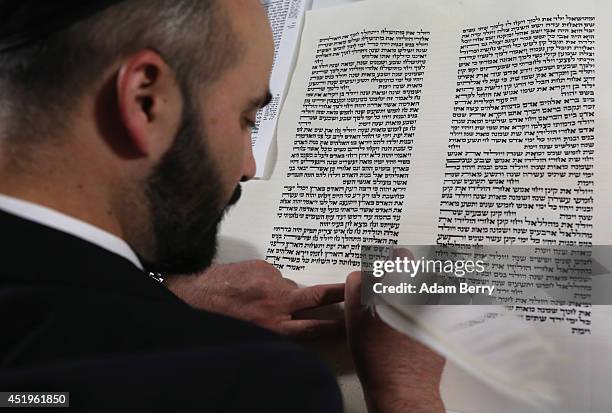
(75, 317)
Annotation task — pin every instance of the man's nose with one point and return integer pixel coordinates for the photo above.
(250, 167)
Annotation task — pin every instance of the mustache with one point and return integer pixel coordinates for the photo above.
(235, 196)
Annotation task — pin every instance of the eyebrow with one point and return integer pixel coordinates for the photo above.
(262, 101)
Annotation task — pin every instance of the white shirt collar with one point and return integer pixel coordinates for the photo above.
(57, 220)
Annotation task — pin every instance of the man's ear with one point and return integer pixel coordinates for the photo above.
(149, 102)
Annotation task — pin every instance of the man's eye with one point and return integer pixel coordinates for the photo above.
(249, 123)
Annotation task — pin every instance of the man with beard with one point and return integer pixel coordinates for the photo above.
(124, 134)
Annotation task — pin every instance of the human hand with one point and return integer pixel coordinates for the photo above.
(255, 291)
(397, 373)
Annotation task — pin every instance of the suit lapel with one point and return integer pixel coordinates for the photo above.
(34, 253)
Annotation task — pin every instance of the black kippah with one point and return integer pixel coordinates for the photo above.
(26, 21)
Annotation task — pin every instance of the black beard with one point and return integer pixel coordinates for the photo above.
(187, 204)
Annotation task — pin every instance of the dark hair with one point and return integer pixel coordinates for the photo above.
(40, 83)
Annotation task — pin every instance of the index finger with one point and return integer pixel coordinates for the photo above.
(310, 329)
(316, 296)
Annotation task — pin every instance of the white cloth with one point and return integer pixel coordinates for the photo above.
(62, 222)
